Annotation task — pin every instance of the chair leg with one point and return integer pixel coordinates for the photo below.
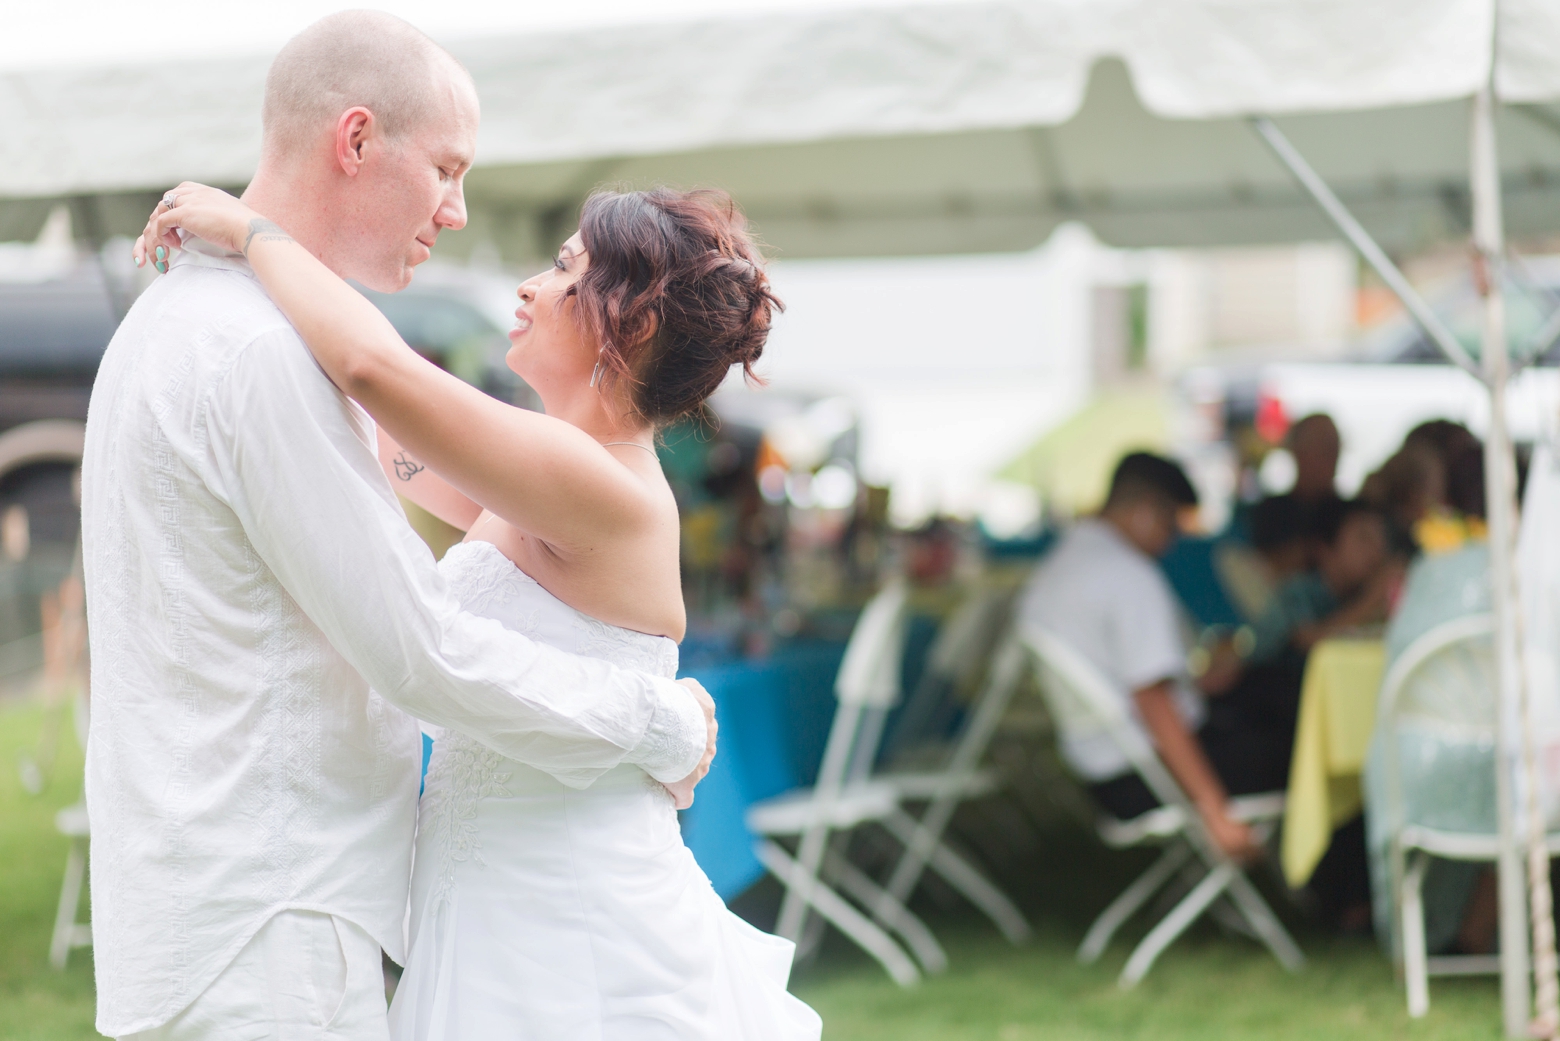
(793, 908)
(1175, 923)
(1228, 916)
(1131, 899)
(1416, 967)
(840, 914)
(1266, 924)
(963, 876)
(65, 930)
(887, 911)
(918, 850)
(1009, 661)
(811, 939)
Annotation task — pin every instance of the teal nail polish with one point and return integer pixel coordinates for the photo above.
(162, 253)
(161, 266)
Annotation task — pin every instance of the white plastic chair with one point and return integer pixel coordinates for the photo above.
(961, 777)
(69, 933)
(843, 799)
(1442, 687)
(71, 822)
(1083, 703)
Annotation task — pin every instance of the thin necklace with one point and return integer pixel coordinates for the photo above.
(633, 444)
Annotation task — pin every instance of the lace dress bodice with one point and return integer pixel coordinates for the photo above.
(490, 585)
(462, 772)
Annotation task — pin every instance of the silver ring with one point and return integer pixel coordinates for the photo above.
(170, 200)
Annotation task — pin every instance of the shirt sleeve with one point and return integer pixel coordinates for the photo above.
(1145, 632)
(294, 459)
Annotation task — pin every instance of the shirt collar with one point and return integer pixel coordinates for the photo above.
(198, 252)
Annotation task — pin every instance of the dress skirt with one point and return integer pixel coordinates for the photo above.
(542, 913)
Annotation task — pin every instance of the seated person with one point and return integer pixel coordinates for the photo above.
(1351, 584)
(1259, 672)
(1408, 488)
(1251, 572)
(1101, 592)
(1315, 444)
(1449, 580)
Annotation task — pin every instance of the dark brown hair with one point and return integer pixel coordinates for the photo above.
(675, 294)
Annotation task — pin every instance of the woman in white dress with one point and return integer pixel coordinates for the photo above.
(540, 911)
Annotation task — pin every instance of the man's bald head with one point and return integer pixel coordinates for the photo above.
(350, 59)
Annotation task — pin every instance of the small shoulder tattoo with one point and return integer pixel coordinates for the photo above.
(406, 467)
(266, 231)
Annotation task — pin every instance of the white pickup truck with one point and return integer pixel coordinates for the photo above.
(1390, 381)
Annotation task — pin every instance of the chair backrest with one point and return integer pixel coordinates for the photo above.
(869, 673)
(867, 686)
(1083, 703)
(1437, 714)
(963, 641)
(1446, 678)
(935, 711)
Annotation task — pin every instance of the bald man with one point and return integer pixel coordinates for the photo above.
(264, 623)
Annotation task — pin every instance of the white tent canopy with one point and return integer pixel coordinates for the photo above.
(943, 127)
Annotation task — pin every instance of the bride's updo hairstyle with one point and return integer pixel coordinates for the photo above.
(675, 294)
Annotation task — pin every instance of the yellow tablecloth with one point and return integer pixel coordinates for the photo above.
(1337, 715)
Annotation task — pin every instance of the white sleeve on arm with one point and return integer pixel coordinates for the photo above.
(295, 460)
(1146, 632)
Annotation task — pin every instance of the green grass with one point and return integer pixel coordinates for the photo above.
(1207, 987)
(37, 1003)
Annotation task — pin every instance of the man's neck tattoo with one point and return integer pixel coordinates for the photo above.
(267, 231)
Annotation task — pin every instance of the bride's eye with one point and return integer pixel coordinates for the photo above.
(558, 262)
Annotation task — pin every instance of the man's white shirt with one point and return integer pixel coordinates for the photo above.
(264, 626)
(1111, 603)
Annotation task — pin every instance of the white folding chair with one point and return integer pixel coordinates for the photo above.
(1440, 696)
(1083, 703)
(962, 776)
(72, 823)
(843, 799)
(69, 933)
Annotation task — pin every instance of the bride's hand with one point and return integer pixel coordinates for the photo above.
(682, 791)
(204, 212)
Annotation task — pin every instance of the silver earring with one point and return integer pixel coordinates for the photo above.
(595, 373)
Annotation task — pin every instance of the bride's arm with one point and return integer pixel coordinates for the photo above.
(543, 475)
(411, 479)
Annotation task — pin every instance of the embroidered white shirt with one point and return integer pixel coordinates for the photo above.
(264, 626)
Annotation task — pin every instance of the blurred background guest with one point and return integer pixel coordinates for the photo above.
(1101, 592)
(1448, 580)
(1315, 444)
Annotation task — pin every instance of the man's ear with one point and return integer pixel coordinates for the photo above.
(353, 131)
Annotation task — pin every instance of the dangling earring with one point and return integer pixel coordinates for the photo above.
(595, 373)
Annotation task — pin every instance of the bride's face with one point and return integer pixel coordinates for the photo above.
(548, 348)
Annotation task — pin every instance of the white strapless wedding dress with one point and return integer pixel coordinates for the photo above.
(544, 913)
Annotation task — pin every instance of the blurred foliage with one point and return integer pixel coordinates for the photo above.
(436, 533)
(1072, 463)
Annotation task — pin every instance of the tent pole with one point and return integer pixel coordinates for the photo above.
(1500, 490)
(1366, 246)
(1515, 741)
